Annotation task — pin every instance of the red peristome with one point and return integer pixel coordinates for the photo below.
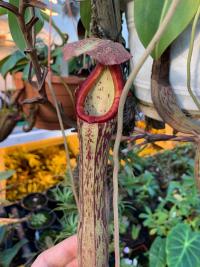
(87, 85)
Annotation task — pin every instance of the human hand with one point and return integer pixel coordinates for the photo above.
(63, 254)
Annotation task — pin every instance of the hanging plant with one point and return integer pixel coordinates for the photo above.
(154, 12)
(96, 105)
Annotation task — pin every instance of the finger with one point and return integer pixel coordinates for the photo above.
(74, 263)
(39, 262)
(60, 255)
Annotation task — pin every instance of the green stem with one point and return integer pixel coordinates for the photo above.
(194, 26)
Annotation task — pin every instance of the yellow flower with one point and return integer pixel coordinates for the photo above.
(73, 144)
(122, 162)
(73, 163)
(33, 160)
(36, 170)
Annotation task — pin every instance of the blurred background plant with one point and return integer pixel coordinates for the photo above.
(156, 205)
(35, 170)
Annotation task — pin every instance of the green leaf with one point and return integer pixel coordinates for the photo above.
(124, 263)
(149, 14)
(135, 231)
(10, 63)
(26, 72)
(14, 26)
(6, 256)
(183, 247)
(157, 254)
(3, 11)
(6, 174)
(85, 12)
(3, 61)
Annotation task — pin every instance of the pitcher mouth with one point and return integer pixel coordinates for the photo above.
(98, 97)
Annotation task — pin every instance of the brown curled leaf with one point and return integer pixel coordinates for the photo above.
(31, 118)
(165, 101)
(8, 121)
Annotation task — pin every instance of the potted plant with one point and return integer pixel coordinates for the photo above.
(180, 34)
(97, 107)
(157, 32)
(34, 201)
(43, 115)
(41, 219)
(64, 87)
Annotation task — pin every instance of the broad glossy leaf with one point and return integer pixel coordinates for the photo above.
(105, 52)
(6, 256)
(157, 254)
(15, 29)
(3, 61)
(26, 72)
(85, 12)
(6, 174)
(11, 62)
(183, 247)
(3, 11)
(149, 14)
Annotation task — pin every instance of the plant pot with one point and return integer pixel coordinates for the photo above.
(21, 211)
(44, 223)
(34, 201)
(177, 73)
(46, 117)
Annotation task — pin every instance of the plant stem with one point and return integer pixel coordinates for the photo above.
(32, 52)
(156, 138)
(127, 87)
(9, 7)
(65, 141)
(194, 26)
